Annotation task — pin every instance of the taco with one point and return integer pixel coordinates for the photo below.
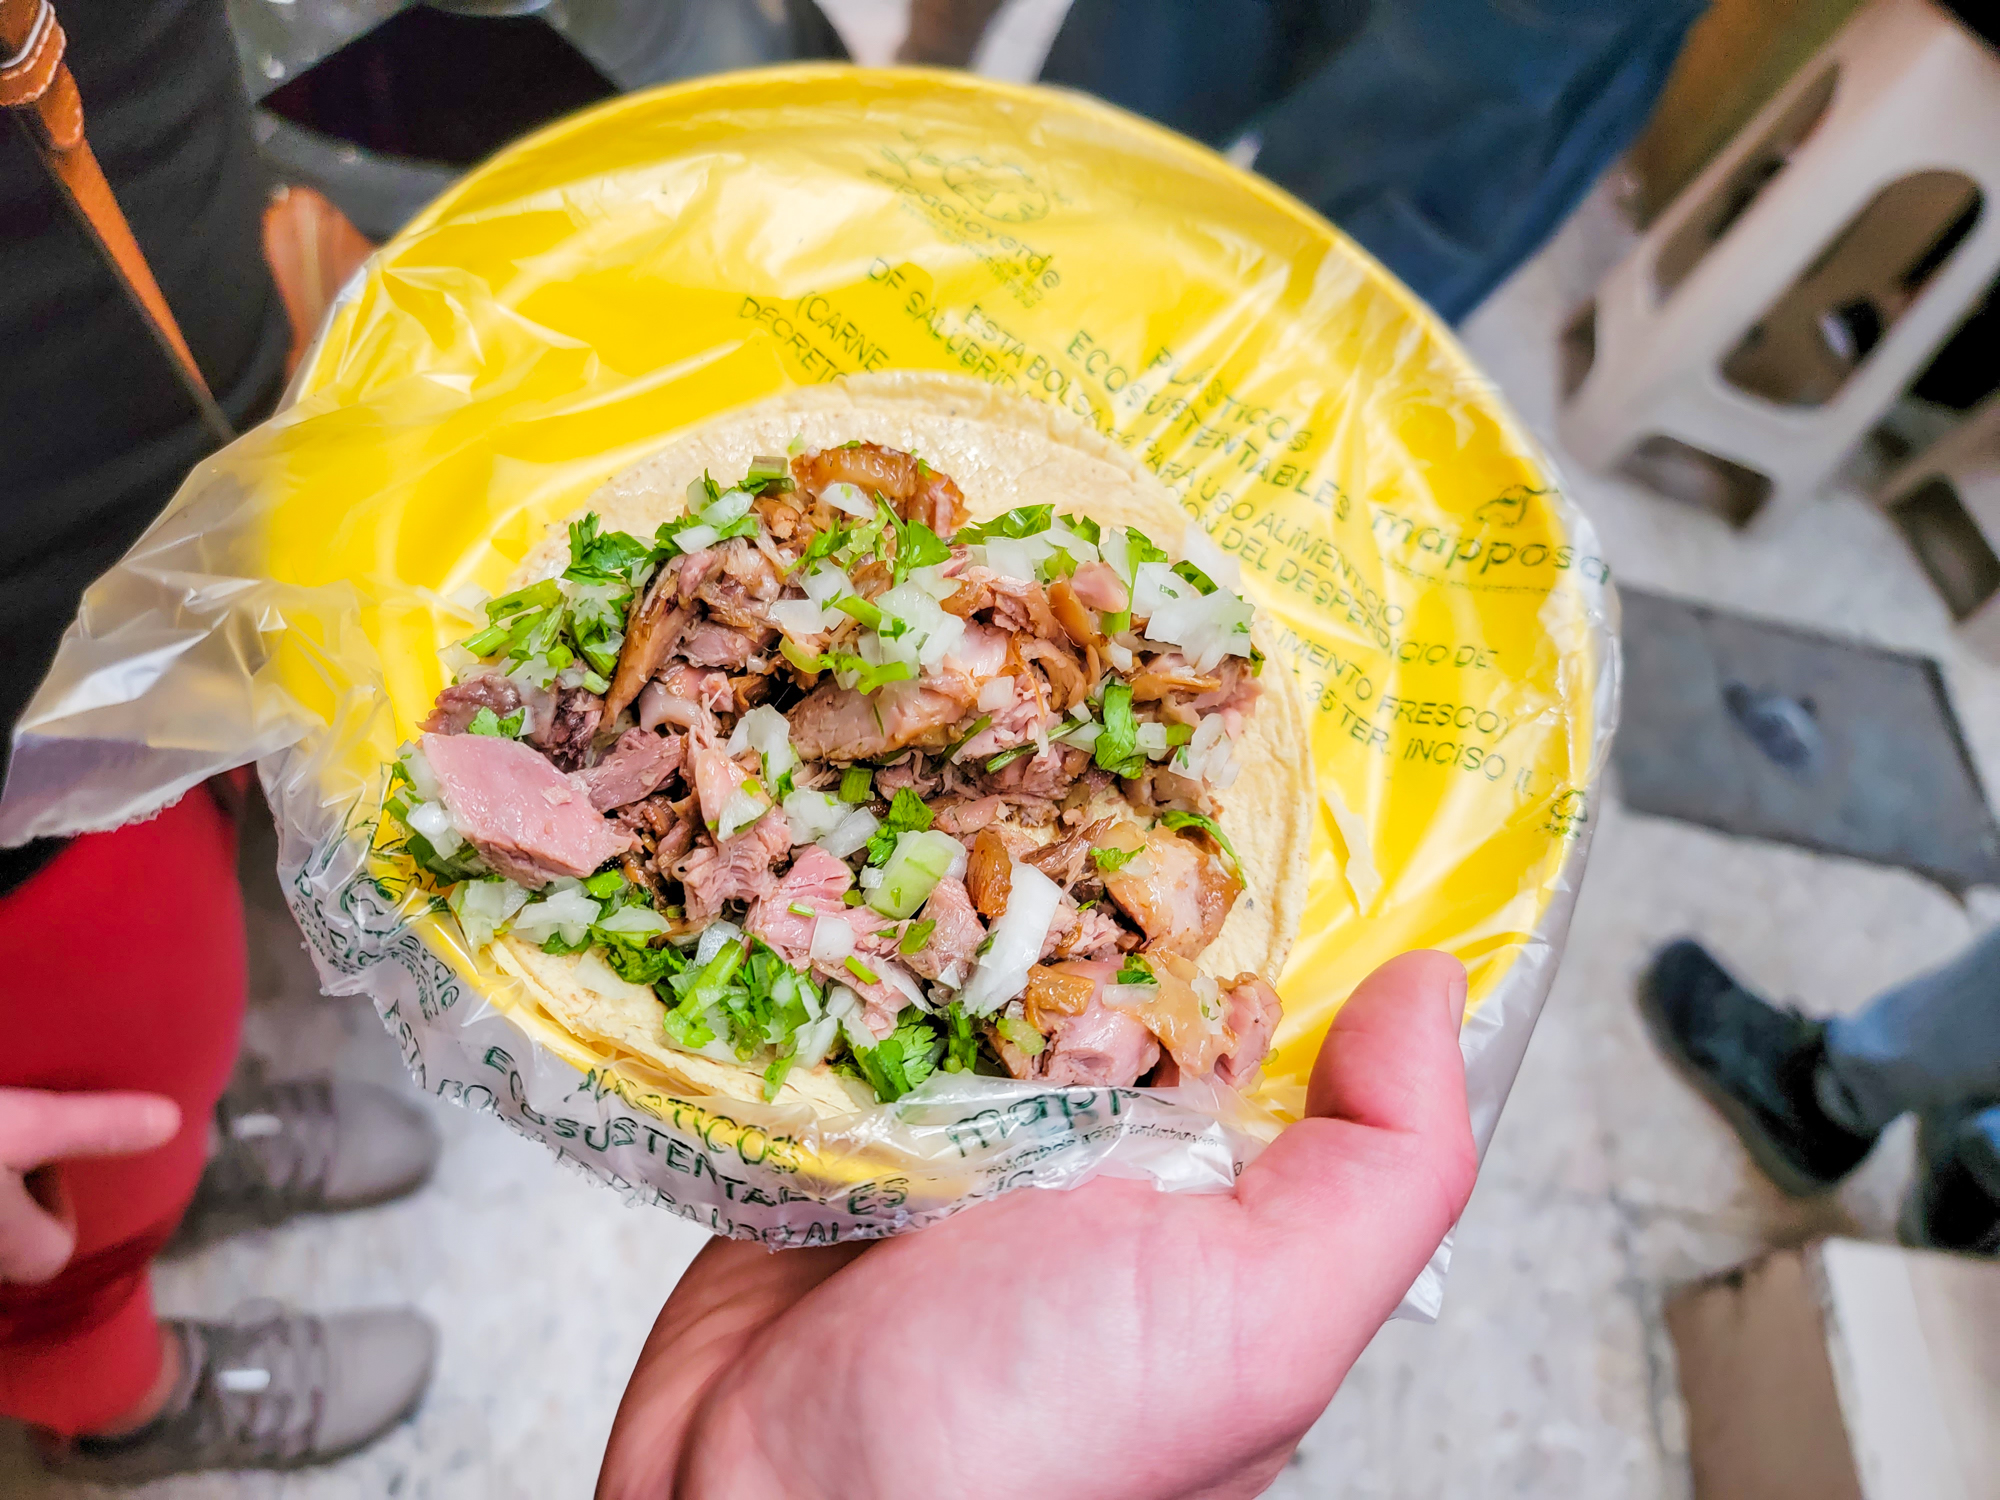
(874, 730)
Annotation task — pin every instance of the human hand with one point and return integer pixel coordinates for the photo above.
(1113, 1341)
(39, 1128)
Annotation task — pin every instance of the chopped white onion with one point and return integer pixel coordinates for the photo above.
(854, 830)
(1115, 547)
(434, 823)
(731, 506)
(695, 538)
(458, 661)
(832, 940)
(1121, 657)
(799, 618)
(635, 920)
(1153, 739)
(812, 1041)
(765, 730)
(420, 772)
(812, 815)
(1010, 558)
(1083, 736)
(932, 581)
(932, 635)
(739, 812)
(849, 498)
(871, 879)
(899, 978)
(566, 911)
(714, 938)
(996, 693)
(1015, 942)
(1222, 569)
(826, 583)
(1206, 627)
(483, 905)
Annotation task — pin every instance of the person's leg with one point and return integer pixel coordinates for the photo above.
(1451, 139)
(1930, 1044)
(121, 967)
(1955, 1202)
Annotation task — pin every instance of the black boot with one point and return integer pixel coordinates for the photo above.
(1955, 1202)
(1753, 1062)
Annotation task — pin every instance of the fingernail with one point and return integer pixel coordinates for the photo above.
(1454, 999)
(163, 1117)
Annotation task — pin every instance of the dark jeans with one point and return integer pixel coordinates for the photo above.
(1450, 137)
(1932, 1047)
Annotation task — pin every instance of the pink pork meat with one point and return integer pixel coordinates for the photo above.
(529, 821)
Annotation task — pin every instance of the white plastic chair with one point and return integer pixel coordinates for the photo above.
(1789, 295)
(1946, 502)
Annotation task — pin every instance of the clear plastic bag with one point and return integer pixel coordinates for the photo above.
(676, 254)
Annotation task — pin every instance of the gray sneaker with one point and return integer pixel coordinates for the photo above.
(308, 1145)
(270, 1390)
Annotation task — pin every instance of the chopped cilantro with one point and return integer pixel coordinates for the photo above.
(1115, 622)
(487, 641)
(1203, 584)
(1206, 824)
(535, 596)
(604, 884)
(1113, 859)
(1084, 527)
(597, 556)
(860, 970)
(916, 935)
(857, 784)
(1022, 521)
(1008, 757)
(961, 1043)
(800, 909)
(488, 722)
(1117, 748)
(852, 898)
(1140, 549)
(917, 546)
(907, 814)
(1134, 971)
(901, 1060)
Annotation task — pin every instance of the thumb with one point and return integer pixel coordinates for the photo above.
(38, 1125)
(1384, 1163)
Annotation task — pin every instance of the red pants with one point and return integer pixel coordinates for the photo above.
(121, 967)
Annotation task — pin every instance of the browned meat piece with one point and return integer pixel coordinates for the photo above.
(460, 703)
(653, 626)
(637, 766)
(1037, 779)
(1054, 991)
(737, 870)
(1098, 586)
(740, 592)
(693, 569)
(781, 518)
(1251, 1010)
(1077, 621)
(915, 490)
(1235, 692)
(911, 772)
(989, 873)
(565, 739)
(1065, 860)
(1014, 603)
(528, 820)
(1163, 675)
(957, 936)
(711, 644)
(1184, 1010)
(837, 723)
(1177, 890)
(1068, 686)
(963, 819)
(1099, 1047)
(686, 696)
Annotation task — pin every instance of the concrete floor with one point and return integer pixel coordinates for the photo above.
(1548, 1375)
